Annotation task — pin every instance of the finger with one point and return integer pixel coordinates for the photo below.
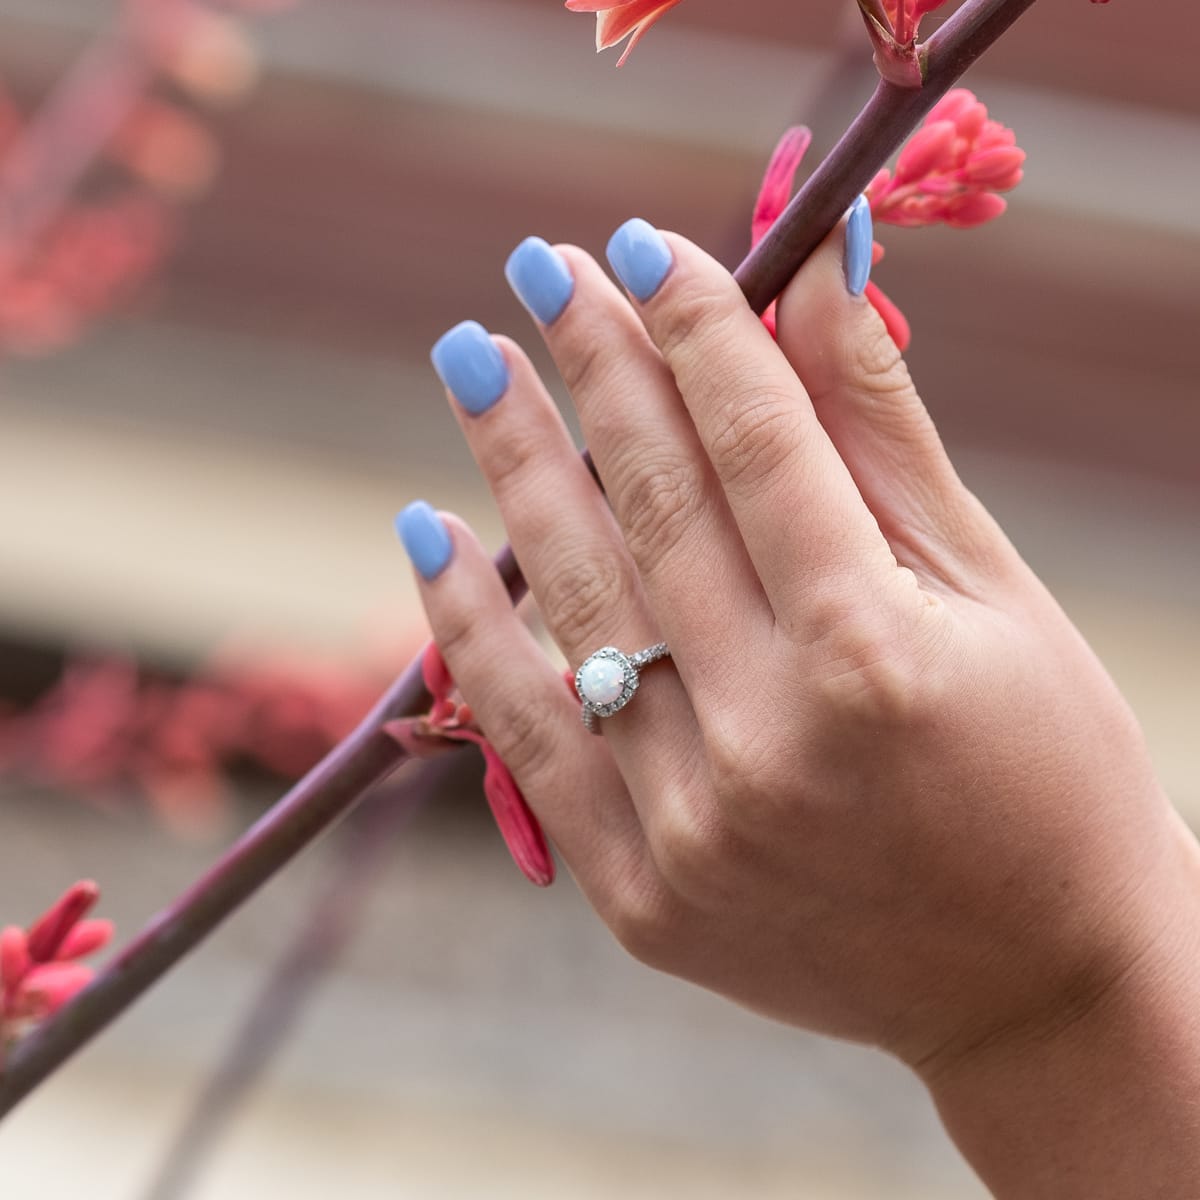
(866, 401)
(521, 702)
(660, 484)
(563, 535)
(806, 528)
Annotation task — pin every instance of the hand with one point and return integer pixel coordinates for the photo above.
(884, 790)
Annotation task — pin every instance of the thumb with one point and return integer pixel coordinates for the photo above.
(864, 397)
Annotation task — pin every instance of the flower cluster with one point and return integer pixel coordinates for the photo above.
(948, 173)
(450, 721)
(951, 170)
(93, 181)
(39, 966)
(107, 727)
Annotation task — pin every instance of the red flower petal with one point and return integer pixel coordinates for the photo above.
(622, 19)
(47, 988)
(436, 674)
(973, 208)
(86, 938)
(48, 931)
(893, 318)
(518, 826)
(14, 957)
(778, 178)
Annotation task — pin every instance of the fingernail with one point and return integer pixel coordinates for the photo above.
(640, 257)
(860, 241)
(541, 279)
(470, 364)
(426, 539)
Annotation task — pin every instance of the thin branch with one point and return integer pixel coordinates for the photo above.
(321, 937)
(334, 786)
(877, 132)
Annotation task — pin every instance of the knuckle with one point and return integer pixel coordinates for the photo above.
(876, 358)
(696, 320)
(524, 736)
(456, 631)
(512, 458)
(761, 433)
(685, 842)
(870, 676)
(739, 764)
(645, 923)
(587, 361)
(657, 505)
(874, 365)
(577, 598)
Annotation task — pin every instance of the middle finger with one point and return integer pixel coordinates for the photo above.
(667, 499)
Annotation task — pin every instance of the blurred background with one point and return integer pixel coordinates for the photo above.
(216, 394)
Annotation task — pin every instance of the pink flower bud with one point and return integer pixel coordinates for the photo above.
(47, 988)
(973, 208)
(14, 957)
(994, 134)
(86, 938)
(999, 168)
(952, 106)
(931, 148)
(48, 931)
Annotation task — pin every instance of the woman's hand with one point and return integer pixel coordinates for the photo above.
(883, 790)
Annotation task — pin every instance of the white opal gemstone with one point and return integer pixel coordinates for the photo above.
(602, 681)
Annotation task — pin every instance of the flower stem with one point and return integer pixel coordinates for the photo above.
(322, 935)
(876, 133)
(334, 786)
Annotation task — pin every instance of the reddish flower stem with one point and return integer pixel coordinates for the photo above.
(335, 785)
(888, 118)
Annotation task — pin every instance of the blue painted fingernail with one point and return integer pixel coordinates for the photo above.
(640, 257)
(860, 244)
(471, 366)
(426, 539)
(541, 278)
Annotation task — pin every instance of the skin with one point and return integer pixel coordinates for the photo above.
(884, 790)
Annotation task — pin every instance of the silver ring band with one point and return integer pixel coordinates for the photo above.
(607, 680)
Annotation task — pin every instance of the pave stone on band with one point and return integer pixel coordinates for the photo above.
(608, 679)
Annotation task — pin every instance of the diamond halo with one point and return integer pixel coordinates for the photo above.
(595, 678)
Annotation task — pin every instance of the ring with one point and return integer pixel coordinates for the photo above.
(608, 679)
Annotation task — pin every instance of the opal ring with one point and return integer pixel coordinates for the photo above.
(608, 679)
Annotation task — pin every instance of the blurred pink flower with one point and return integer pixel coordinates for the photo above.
(620, 19)
(108, 728)
(38, 968)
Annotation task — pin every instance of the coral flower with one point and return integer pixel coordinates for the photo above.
(39, 971)
(617, 20)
